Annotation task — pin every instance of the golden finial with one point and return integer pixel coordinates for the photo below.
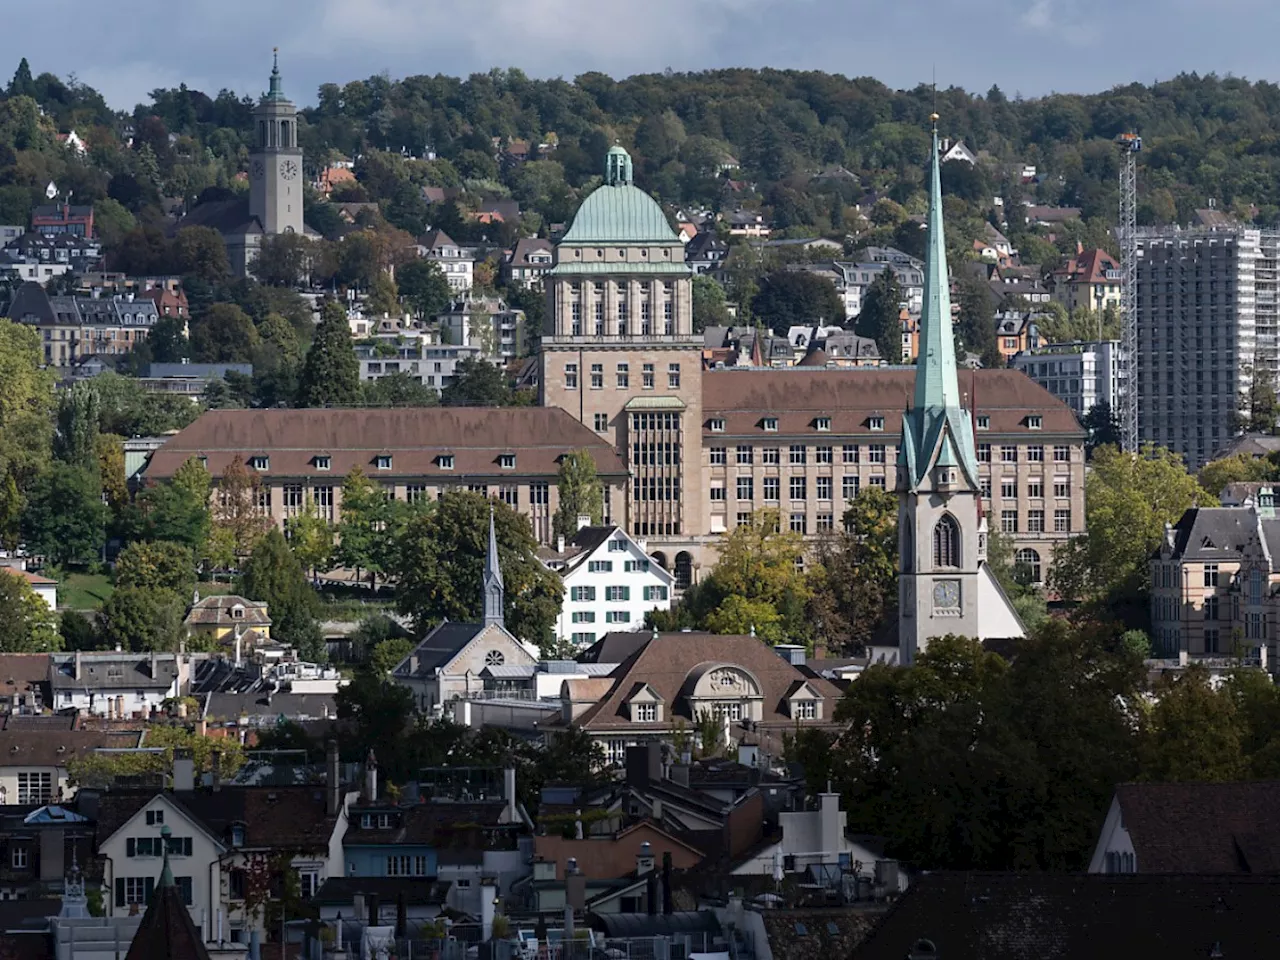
(933, 117)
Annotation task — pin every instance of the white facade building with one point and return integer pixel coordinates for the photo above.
(858, 277)
(118, 686)
(456, 262)
(1081, 373)
(486, 323)
(610, 583)
(431, 364)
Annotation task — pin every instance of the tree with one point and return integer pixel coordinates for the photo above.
(27, 624)
(274, 576)
(1241, 468)
(710, 306)
(388, 653)
(1128, 500)
(476, 383)
(142, 618)
(423, 284)
(859, 585)
(109, 454)
(22, 84)
(284, 259)
(976, 324)
(200, 251)
(168, 341)
(1262, 408)
(580, 492)
(398, 390)
(238, 521)
(331, 373)
(311, 538)
(440, 559)
(76, 631)
(65, 519)
(789, 298)
(880, 318)
(1194, 731)
(1103, 427)
(223, 334)
(157, 565)
(26, 427)
(384, 297)
(366, 528)
(178, 511)
(76, 440)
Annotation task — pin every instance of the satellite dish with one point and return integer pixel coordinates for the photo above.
(51, 190)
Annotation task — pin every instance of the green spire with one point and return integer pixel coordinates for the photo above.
(936, 384)
(166, 875)
(276, 92)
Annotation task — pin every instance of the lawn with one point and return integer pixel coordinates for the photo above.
(84, 591)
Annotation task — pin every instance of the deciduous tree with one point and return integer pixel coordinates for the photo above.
(27, 624)
(157, 565)
(65, 519)
(477, 383)
(580, 493)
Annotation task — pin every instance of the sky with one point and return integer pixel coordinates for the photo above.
(126, 48)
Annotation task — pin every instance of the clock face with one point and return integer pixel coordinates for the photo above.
(259, 169)
(946, 594)
(289, 169)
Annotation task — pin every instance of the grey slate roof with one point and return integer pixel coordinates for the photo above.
(437, 648)
(228, 217)
(198, 371)
(257, 703)
(97, 671)
(1213, 533)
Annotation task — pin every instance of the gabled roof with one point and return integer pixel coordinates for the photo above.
(167, 929)
(1213, 533)
(217, 610)
(56, 748)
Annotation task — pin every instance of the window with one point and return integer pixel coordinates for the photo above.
(798, 491)
(494, 658)
(826, 522)
(984, 453)
(582, 594)
(822, 424)
(875, 423)
(131, 890)
(655, 593)
(797, 453)
(1035, 454)
(673, 376)
(1034, 422)
(824, 485)
(1008, 521)
(260, 463)
(617, 594)
(1029, 560)
(946, 542)
(770, 424)
(1009, 489)
(805, 710)
(571, 376)
(1062, 521)
(323, 463)
(875, 453)
(1035, 521)
(1255, 587)
(445, 460)
(799, 523)
(540, 494)
(645, 712)
(584, 616)
(600, 566)
(597, 376)
(601, 422)
(849, 453)
(717, 425)
(155, 817)
(1008, 454)
(1061, 454)
(400, 865)
(646, 376)
(848, 487)
(719, 456)
(1211, 640)
(746, 488)
(617, 546)
(823, 454)
(1210, 574)
(636, 566)
(35, 787)
(624, 376)
(583, 638)
(1035, 489)
(984, 423)
(1061, 487)
(770, 455)
(384, 462)
(717, 491)
(20, 857)
(237, 833)
(617, 616)
(745, 455)
(1211, 608)
(771, 488)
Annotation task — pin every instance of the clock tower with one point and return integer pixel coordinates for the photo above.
(275, 166)
(944, 584)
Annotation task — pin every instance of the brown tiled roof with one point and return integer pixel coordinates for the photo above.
(21, 671)
(1089, 267)
(850, 397)
(1203, 827)
(666, 663)
(32, 578)
(538, 436)
(217, 610)
(55, 748)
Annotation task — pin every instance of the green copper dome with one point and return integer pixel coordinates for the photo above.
(618, 211)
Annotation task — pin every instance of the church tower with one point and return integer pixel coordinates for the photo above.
(275, 166)
(942, 531)
(492, 584)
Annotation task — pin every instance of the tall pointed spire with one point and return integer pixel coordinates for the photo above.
(276, 90)
(936, 384)
(493, 586)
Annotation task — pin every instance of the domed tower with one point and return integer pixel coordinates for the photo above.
(275, 166)
(621, 354)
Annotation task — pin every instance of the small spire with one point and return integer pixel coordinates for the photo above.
(166, 875)
(276, 91)
(493, 585)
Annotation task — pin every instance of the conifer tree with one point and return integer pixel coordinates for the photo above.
(331, 373)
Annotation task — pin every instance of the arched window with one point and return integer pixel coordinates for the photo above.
(946, 542)
(1028, 563)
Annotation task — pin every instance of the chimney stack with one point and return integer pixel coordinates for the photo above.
(331, 785)
(371, 778)
(509, 794)
(78, 665)
(584, 520)
(184, 771)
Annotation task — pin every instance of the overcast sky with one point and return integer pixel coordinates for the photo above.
(126, 48)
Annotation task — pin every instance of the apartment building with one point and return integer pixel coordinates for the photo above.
(1207, 324)
(73, 328)
(1081, 373)
(299, 456)
(487, 323)
(531, 259)
(431, 364)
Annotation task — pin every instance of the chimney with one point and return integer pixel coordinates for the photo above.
(509, 794)
(217, 770)
(829, 826)
(413, 664)
(651, 894)
(155, 672)
(644, 859)
(373, 909)
(184, 771)
(488, 907)
(560, 544)
(78, 665)
(332, 787)
(644, 764)
(575, 886)
(680, 773)
(583, 520)
(371, 778)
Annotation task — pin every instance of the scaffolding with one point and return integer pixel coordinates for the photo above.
(1127, 233)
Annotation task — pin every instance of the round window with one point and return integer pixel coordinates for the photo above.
(494, 658)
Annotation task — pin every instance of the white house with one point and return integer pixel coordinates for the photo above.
(117, 685)
(45, 589)
(486, 324)
(456, 262)
(609, 584)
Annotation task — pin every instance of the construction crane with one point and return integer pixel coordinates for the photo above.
(1129, 144)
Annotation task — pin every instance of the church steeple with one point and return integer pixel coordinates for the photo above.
(276, 90)
(493, 587)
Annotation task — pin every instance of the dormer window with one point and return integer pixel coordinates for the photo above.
(260, 463)
(822, 424)
(507, 461)
(717, 425)
(383, 461)
(237, 613)
(445, 461)
(984, 423)
(323, 463)
(1034, 422)
(770, 424)
(875, 423)
(237, 835)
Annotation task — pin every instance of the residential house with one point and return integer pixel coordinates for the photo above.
(511, 453)
(706, 253)
(226, 619)
(485, 322)
(958, 151)
(1089, 281)
(36, 752)
(334, 176)
(1043, 216)
(54, 218)
(190, 380)
(72, 328)
(71, 140)
(612, 856)
(39, 257)
(1190, 828)
(166, 928)
(119, 685)
(456, 262)
(38, 847)
(43, 587)
(993, 246)
(531, 259)
(855, 277)
(498, 210)
(170, 300)
(1253, 445)
(809, 244)
(24, 683)
(610, 583)
(747, 223)
(667, 682)
(1016, 333)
